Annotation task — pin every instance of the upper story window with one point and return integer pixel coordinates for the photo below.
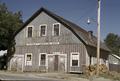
(29, 31)
(75, 59)
(43, 30)
(56, 29)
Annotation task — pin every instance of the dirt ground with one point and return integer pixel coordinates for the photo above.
(62, 76)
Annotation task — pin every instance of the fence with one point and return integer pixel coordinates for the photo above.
(114, 67)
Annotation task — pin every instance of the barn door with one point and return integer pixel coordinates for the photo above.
(57, 63)
(50, 63)
(62, 63)
(20, 64)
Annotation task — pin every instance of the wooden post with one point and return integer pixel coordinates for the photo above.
(98, 38)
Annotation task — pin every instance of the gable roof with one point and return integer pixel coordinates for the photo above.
(82, 34)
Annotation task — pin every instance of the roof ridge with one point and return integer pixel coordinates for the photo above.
(66, 20)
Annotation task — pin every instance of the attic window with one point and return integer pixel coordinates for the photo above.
(56, 29)
(43, 30)
(29, 32)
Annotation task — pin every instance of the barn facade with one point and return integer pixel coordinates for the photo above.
(49, 43)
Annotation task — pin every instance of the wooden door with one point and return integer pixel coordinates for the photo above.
(50, 63)
(56, 61)
(20, 64)
(62, 63)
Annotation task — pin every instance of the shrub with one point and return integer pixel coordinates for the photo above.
(91, 69)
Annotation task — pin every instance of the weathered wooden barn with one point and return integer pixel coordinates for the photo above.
(50, 43)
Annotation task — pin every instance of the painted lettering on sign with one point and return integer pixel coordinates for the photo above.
(47, 43)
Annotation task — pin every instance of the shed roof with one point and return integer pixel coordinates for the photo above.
(116, 56)
(82, 34)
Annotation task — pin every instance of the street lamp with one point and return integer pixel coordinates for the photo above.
(98, 36)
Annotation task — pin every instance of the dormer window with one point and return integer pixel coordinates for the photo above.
(29, 31)
(43, 30)
(56, 29)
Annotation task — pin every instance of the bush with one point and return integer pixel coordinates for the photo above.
(91, 69)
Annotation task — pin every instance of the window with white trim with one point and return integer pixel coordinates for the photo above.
(56, 29)
(28, 59)
(29, 32)
(43, 30)
(75, 59)
(42, 59)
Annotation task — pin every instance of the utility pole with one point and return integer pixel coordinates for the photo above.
(98, 37)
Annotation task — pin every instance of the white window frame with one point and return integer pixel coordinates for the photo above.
(71, 58)
(53, 29)
(45, 29)
(26, 59)
(40, 59)
(27, 31)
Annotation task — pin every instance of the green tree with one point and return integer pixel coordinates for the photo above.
(113, 43)
(9, 23)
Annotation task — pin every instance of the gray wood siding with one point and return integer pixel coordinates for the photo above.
(50, 49)
(66, 36)
(68, 43)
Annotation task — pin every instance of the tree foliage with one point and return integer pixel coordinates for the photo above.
(9, 23)
(113, 42)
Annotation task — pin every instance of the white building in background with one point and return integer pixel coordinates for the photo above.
(114, 59)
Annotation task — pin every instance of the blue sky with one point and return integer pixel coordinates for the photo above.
(76, 11)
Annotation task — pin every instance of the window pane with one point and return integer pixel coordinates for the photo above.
(56, 30)
(43, 30)
(43, 59)
(29, 31)
(74, 62)
(75, 56)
